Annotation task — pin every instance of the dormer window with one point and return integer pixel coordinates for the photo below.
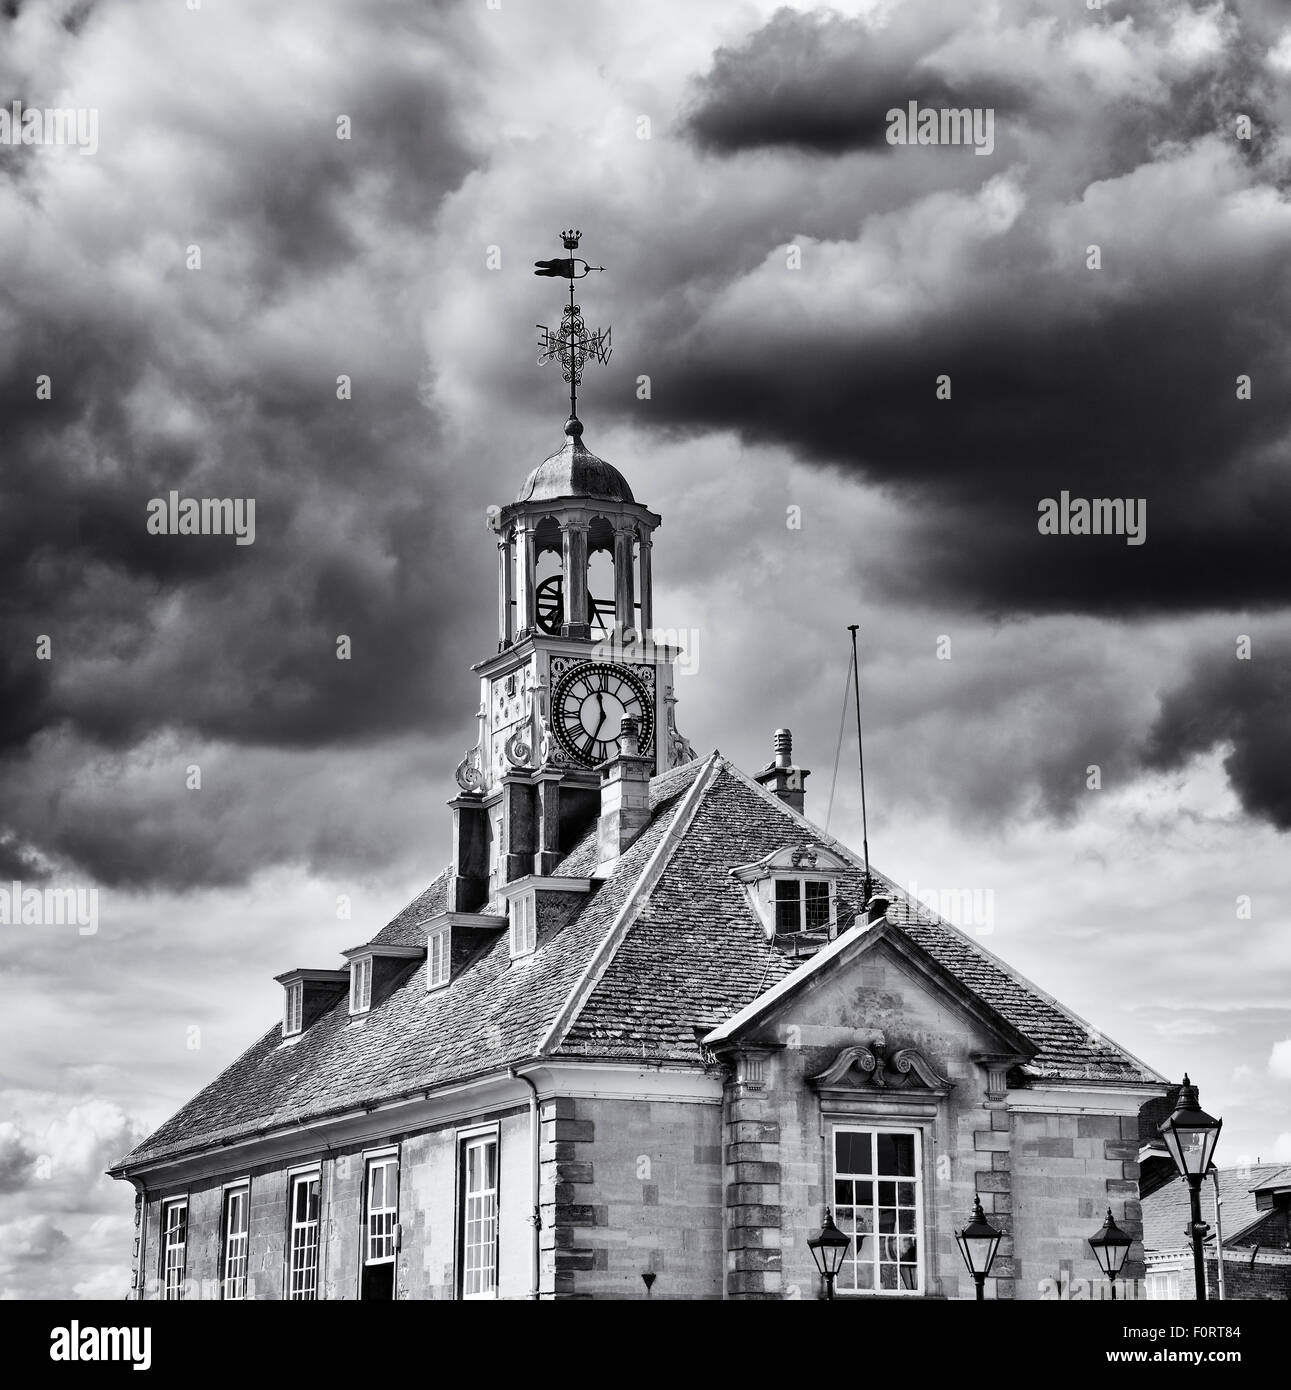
(794, 890)
(438, 956)
(524, 924)
(293, 1008)
(376, 969)
(360, 985)
(306, 995)
(522, 898)
(802, 904)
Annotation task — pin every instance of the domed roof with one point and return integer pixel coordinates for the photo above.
(574, 471)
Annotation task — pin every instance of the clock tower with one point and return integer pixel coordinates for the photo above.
(576, 651)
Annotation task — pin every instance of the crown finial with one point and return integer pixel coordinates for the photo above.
(572, 344)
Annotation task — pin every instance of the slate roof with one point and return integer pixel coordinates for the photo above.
(664, 944)
(1166, 1212)
(1281, 1179)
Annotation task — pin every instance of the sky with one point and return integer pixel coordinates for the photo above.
(846, 372)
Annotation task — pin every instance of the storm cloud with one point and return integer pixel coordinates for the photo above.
(823, 83)
(1238, 703)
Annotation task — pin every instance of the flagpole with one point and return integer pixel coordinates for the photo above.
(860, 758)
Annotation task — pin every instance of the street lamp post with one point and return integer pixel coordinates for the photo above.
(978, 1242)
(828, 1248)
(1191, 1135)
(1111, 1247)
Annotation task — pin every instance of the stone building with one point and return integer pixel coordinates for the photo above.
(643, 1030)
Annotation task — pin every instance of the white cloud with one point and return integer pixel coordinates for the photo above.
(110, 1283)
(1280, 1060)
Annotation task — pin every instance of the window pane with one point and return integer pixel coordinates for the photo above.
(303, 1255)
(788, 904)
(896, 1155)
(479, 1226)
(383, 1192)
(817, 906)
(852, 1152)
(175, 1227)
(235, 1246)
(877, 1199)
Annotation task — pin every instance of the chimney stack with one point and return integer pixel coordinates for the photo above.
(625, 795)
(788, 782)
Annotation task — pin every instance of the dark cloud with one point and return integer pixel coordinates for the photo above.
(38, 1240)
(823, 83)
(16, 1161)
(321, 257)
(1240, 705)
(222, 382)
(1118, 381)
(1126, 400)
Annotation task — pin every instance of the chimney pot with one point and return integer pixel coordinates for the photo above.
(782, 777)
(625, 794)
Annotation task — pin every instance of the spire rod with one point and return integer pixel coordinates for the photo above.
(572, 344)
(860, 758)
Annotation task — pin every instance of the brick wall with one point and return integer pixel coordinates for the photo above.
(1269, 1278)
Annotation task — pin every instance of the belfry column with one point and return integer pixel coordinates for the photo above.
(574, 556)
(527, 573)
(647, 598)
(506, 584)
(624, 611)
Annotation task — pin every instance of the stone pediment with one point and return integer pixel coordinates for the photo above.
(809, 859)
(872, 1066)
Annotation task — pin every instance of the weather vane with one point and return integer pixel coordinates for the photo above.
(572, 344)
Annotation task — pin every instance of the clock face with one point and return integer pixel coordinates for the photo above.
(589, 705)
